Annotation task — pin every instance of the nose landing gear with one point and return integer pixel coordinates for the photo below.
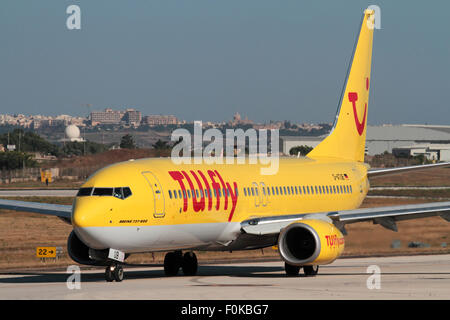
(173, 261)
(114, 272)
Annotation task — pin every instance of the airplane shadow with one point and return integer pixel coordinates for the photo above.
(203, 271)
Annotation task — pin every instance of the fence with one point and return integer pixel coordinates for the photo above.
(34, 174)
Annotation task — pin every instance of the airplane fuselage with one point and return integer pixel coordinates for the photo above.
(201, 206)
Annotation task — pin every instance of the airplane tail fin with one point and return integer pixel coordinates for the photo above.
(347, 138)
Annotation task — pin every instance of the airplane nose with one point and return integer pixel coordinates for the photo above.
(79, 217)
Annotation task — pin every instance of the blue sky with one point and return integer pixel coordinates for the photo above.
(206, 60)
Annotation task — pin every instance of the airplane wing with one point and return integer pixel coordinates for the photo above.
(62, 211)
(385, 216)
(388, 171)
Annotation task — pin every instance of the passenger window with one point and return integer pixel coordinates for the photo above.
(276, 188)
(170, 194)
(284, 189)
(268, 191)
(245, 192)
(351, 191)
(175, 193)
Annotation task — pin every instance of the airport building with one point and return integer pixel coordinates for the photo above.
(402, 140)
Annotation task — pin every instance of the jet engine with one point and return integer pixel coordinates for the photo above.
(310, 242)
(81, 253)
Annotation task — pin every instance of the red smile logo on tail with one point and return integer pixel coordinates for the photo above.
(353, 97)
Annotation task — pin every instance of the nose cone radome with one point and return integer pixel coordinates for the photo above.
(80, 215)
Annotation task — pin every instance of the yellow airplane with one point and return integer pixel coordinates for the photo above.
(154, 205)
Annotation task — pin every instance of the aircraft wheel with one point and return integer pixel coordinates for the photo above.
(171, 263)
(118, 273)
(109, 274)
(189, 264)
(291, 270)
(310, 271)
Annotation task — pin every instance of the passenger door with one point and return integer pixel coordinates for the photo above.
(158, 195)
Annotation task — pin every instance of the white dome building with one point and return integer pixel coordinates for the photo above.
(73, 133)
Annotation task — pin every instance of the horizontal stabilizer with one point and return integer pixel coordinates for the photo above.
(390, 171)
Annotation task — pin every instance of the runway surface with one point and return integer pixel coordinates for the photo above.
(407, 277)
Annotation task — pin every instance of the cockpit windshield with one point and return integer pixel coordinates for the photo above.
(118, 192)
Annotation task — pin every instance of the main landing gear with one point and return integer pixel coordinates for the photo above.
(292, 271)
(175, 260)
(114, 272)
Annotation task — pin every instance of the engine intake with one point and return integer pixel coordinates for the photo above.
(310, 242)
(79, 252)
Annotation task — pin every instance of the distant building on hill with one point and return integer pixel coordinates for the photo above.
(108, 116)
(153, 120)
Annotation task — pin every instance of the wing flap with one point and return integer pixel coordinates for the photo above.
(398, 213)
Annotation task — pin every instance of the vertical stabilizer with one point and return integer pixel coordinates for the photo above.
(347, 139)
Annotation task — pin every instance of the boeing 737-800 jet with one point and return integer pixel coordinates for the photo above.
(151, 205)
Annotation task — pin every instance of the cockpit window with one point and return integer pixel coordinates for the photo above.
(126, 192)
(118, 192)
(103, 192)
(84, 192)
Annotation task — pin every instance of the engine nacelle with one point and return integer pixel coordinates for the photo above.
(310, 242)
(79, 252)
